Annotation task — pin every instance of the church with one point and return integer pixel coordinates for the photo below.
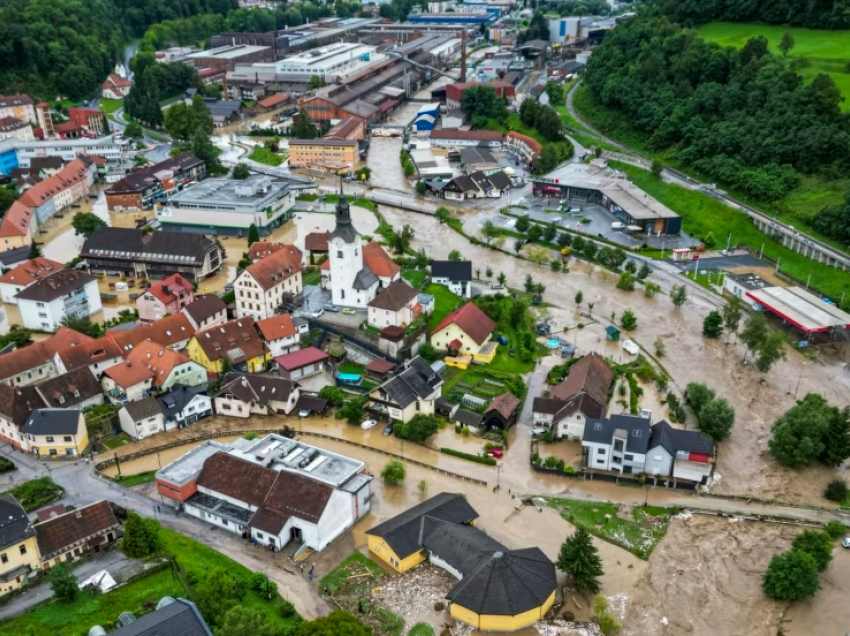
(355, 272)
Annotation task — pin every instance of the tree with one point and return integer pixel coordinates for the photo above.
(421, 188)
(817, 545)
(698, 395)
(85, 223)
(528, 284)
(548, 159)
(393, 472)
(836, 491)
(556, 265)
(82, 325)
(304, 128)
(141, 536)
(836, 440)
(502, 279)
(790, 576)
(427, 352)
(660, 347)
(253, 234)
(650, 289)
(631, 266)
(488, 272)
(332, 394)
(787, 43)
(770, 351)
(797, 437)
(733, 311)
(454, 255)
(35, 251)
(217, 594)
(63, 583)
(579, 559)
(534, 233)
(352, 410)
(678, 295)
(241, 172)
(241, 621)
(482, 103)
(522, 224)
(657, 168)
(716, 418)
(626, 282)
(628, 320)
(712, 326)
(417, 429)
(644, 271)
(549, 233)
(537, 253)
(754, 332)
(335, 624)
(422, 487)
(579, 297)
(202, 147)
(400, 241)
(564, 239)
(134, 132)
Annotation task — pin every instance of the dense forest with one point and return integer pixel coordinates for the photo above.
(814, 14)
(51, 47)
(742, 117)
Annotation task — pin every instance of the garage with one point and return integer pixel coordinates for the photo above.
(301, 364)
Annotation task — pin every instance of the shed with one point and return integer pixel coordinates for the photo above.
(502, 411)
(379, 367)
(612, 333)
(301, 363)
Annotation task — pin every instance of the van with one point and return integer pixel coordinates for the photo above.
(616, 225)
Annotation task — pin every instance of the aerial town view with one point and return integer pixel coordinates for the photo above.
(425, 318)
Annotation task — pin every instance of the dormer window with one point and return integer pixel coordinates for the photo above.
(61, 399)
(76, 393)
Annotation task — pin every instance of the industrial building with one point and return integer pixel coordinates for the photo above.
(427, 117)
(227, 57)
(228, 206)
(451, 18)
(17, 153)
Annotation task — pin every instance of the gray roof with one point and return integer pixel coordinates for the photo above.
(602, 431)
(453, 270)
(365, 278)
(143, 409)
(417, 380)
(467, 418)
(15, 526)
(675, 439)
(180, 618)
(402, 532)
(52, 422)
(178, 397)
(10, 258)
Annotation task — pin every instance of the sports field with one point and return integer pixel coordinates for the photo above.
(827, 51)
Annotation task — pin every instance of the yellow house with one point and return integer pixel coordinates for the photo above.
(330, 155)
(55, 433)
(467, 331)
(498, 590)
(411, 392)
(19, 554)
(237, 341)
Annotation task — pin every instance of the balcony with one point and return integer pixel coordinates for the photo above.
(117, 396)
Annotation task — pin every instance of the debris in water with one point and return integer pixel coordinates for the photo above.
(664, 620)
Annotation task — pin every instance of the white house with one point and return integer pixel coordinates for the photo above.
(184, 405)
(280, 334)
(24, 275)
(142, 418)
(127, 382)
(618, 443)
(169, 367)
(739, 284)
(207, 310)
(264, 286)
(243, 395)
(60, 294)
(679, 454)
(395, 305)
(115, 87)
(95, 354)
(456, 275)
(413, 391)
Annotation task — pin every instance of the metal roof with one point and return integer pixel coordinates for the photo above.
(801, 308)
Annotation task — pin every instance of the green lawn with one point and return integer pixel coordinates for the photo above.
(416, 277)
(115, 441)
(565, 148)
(313, 277)
(266, 156)
(445, 302)
(826, 51)
(110, 105)
(128, 481)
(35, 493)
(421, 629)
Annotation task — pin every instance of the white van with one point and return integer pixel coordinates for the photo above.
(616, 225)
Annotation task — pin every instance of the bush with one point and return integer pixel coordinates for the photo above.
(836, 490)
(394, 472)
(817, 544)
(418, 429)
(791, 576)
(835, 529)
(486, 460)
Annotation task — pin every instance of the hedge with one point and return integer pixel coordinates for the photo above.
(6, 465)
(486, 460)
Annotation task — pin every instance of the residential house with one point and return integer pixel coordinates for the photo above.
(337, 156)
(243, 395)
(141, 254)
(395, 305)
(65, 293)
(301, 363)
(17, 226)
(207, 310)
(16, 405)
(55, 433)
(477, 185)
(168, 366)
(18, 546)
(316, 244)
(499, 589)
(236, 341)
(77, 533)
(77, 389)
(411, 391)
(466, 331)
(456, 275)
(34, 363)
(279, 334)
(141, 189)
(17, 128)
(94, 355)
(115, 87)
(460, 138)
(618, 443)
(680, 454)
(172, 331)
(522, 146)
(163, 297)
(172, 617)
(582, 395)
(142, 418)
(18, 106)
(275, 491)
(263, 287)
(11, 258)
(184, 405)
(127, 382)
(502, 412)
(91, 120)
(24, 275)
(260, 249)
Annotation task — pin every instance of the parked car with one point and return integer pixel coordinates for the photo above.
(304, 413)
(388, 430)
(367, 424)
(310, 209)
(616, 225)
(538, 431)
(332, 308)
(496, 453)
(349, 311)
(497, 286)
(502, 340)
(845, 542)
(631, 347)
(317, 313)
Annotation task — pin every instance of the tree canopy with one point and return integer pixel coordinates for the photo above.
(791, 576)
(482, 104)
(334, 624)
(85, 223)
(811, 430)
(418, 429)
(579, 559)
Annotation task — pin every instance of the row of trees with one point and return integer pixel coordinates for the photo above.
(715, 415)
(483, 105)
(826, 14)
(766, 345)
(743, 117)
(795, 574)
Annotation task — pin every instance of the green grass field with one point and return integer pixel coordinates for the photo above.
(826, 51)
(110, 105)
(266, 156)
(445, 302)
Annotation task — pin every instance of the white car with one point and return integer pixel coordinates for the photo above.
(368, 424)
(317, 313)
(303, 413)
(845, 542)
(631, 347)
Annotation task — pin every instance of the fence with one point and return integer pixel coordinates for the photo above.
(617, 478)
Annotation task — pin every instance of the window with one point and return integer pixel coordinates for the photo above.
(23, 549)
(629, 458)
(339, 253)
(600, 461)
(61, 399)
(4, 558)
(49, 439)
(67, 438)
(600, 451)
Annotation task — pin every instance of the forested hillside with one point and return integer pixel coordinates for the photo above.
(744, 117)
(814, 14)
(49, 47)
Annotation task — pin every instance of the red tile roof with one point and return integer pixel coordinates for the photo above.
(275, 268)
(174, 284)
(590, 375)
(261, 249)
(316, 242)
(298, 359)
(159, 359)
(471, 320)
(274, 100)
(59, 534)
(232, 337)
(116, 81)
(16, 221)
(129, 373)
(474, 135)
(31, 271)
(379, 262)
(276, 327)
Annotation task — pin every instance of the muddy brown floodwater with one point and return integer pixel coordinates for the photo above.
(759, 399)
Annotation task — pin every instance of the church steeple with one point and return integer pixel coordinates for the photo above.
(343, 214)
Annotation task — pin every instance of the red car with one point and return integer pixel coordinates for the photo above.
(496, 453)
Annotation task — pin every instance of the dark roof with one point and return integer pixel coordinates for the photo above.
(505, 405)
(467, 418)
(143, 409)
(364, 279)
(394, 296)
(402, 531)
(52, 422)
(298, 496)
(560, 409)
(380, 366)
(476, 155)
(548, 406)
(180, 618)
(237, 340)
(131, 245)
(237, 478)
(17, 403)
(675, 439)
(453, 270)
(178, 397)
(261, 389)
(203, 307)
(500, 180)
(418, 380)
(590, 375)
(58, 534)
(462, 545)
(602, 431)
(316, 242)
(311, 403)
(15, 525)
(63, 386)
(464, 184)
(14, 256)
(55, 285)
